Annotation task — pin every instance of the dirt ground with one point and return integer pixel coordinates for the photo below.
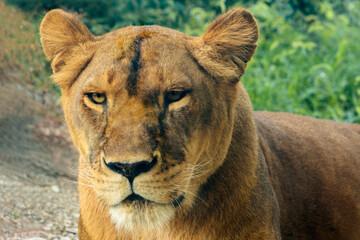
(38, 191)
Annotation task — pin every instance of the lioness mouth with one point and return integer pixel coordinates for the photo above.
(135, 199)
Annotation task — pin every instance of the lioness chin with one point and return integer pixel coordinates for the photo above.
(170, 147)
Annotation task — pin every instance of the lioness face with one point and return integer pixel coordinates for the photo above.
(151, 123)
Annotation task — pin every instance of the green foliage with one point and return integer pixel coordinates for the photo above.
(312, 70)
(103, 15)
(306, 62)
(21, 56)
(191, 17)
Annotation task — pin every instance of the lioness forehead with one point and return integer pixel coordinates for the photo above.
(141, 59)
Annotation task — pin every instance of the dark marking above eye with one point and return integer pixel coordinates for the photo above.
(135, 67)
(110, 77)
(202, 69)
(84, 66)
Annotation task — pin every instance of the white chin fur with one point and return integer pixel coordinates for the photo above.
(154, 217)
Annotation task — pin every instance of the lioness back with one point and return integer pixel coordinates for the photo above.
(314, 168)
(170, 148)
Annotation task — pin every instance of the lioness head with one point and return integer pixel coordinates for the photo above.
(150, 109)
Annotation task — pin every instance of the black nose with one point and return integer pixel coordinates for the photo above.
(131, 170)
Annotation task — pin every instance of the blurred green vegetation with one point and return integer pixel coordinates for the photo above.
(21, 57)
(310, 69)
(307, 61)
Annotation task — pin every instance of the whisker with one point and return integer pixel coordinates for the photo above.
(76, 182)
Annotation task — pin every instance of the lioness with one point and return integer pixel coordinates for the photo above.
(170, 147)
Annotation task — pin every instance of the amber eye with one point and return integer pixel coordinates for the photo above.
(97, 98)
(176, 95)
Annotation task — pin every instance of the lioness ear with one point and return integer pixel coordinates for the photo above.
(228, 44)
(60, 32)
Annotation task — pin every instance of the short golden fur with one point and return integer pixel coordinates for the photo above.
(170, 147)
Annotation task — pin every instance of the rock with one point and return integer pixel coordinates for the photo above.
(48, 226)
(72, 230)
(55, 188)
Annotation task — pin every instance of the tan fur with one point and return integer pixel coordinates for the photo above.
(242, 175)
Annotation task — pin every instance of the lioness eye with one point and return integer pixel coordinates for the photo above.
(97, 98)
(174, 96)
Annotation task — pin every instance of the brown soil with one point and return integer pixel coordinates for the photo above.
(38, 193)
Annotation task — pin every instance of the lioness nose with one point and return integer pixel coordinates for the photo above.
(131, 170)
